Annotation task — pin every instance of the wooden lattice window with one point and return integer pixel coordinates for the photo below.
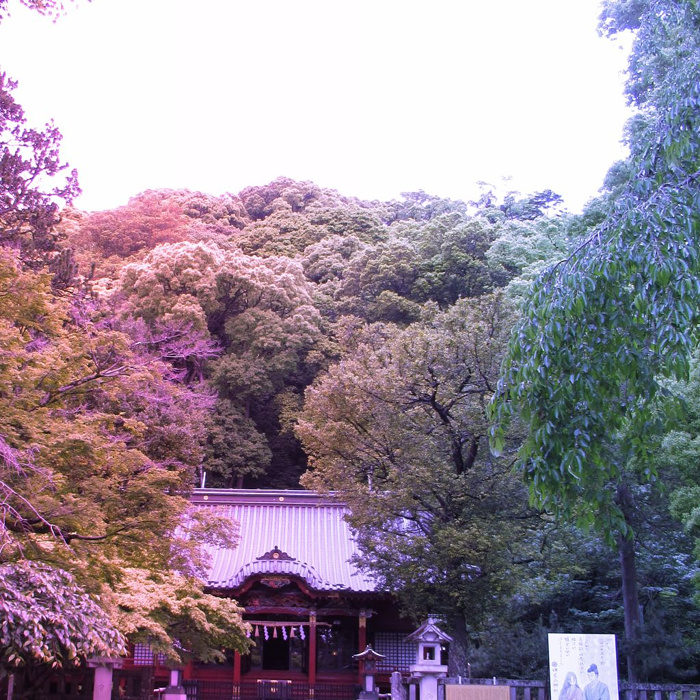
(399, 653)
(144, 656)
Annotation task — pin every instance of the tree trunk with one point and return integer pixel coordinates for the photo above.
(458, 663)
(630, 595)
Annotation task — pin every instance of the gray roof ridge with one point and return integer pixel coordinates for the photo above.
(264, 497)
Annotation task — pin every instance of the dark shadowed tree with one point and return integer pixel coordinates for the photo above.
(32, 181)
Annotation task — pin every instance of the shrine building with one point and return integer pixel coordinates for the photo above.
(310, 609)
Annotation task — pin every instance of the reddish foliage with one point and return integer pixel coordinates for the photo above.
(146, 221)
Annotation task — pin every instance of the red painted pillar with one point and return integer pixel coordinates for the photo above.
(236, 667)
(236, 674)
(312, 651)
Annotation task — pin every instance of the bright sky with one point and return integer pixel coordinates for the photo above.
(369, 97)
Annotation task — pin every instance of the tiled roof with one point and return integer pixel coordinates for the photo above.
(306, 527)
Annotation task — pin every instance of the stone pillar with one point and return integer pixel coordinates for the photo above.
(104, 667)
(102, 685)
(398, 692)
(175, 691)
(428, 687)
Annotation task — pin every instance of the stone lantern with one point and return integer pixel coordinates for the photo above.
(369, 659)
(102, 685)
(428, 667)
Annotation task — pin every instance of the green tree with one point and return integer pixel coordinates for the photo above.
(387, 268)
(226, 210)
(398, 429)
(523, 249)
(261, 313)
(29, 164)
(48, 622)
(146, 221)
(602, 327)
(157, 607)
(678, 452)
(420, 206)
(236, 451)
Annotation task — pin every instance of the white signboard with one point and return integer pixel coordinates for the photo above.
(583, 667)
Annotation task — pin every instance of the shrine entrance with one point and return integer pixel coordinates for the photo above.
(282, 655)
(277, 653)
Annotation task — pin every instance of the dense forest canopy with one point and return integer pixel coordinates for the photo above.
(270, 313)
(290, 335)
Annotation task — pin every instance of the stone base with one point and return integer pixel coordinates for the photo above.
(368, 695)
(174, 692)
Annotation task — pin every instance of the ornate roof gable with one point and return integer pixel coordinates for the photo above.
(276, 554)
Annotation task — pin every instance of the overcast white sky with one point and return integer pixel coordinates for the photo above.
(369, 97)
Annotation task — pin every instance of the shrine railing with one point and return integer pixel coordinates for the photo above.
(267, 690)
(653, 691)
(539, 690)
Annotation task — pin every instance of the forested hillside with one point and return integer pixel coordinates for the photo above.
(364, 340)
(257, 293)
(235, 338)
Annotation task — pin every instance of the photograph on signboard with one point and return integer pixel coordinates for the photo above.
(583, 667)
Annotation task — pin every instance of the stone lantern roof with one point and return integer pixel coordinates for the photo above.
(429, 632)
(368, 655)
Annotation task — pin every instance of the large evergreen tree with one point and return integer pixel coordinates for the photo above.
(398, 429)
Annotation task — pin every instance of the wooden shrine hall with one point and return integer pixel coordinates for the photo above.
(309, 608)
